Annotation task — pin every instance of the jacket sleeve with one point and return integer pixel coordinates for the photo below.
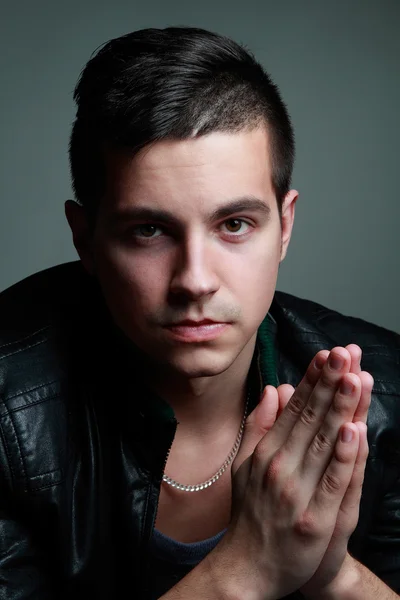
(23, 573)
(384, 543)
(376, 542)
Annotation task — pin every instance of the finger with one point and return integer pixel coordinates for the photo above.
(305, 411)
(349, 508)
(259, 421)
(355, 353)
(367, 383)
(332, 487)
(285, 392)
(298, 400)
(319, 452)
(321, 357)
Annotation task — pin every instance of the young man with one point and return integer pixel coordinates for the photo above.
(170, 425)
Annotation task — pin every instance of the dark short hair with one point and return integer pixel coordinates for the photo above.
(171, 83)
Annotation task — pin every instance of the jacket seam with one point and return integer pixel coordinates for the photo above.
(8, 454)
(48, 485)
(22, 458)
(32, 389)
(384, 392)
(43, 474)
(377, 345)
(325, 334)
(23, 339)
(316, 334)
(15, 410)
(307, 331)
(22, 349)
(387, 355)
(326, 311)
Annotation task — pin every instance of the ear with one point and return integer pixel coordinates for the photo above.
(81, 233)
(288, 209)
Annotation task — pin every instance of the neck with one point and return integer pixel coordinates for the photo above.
(204, 405)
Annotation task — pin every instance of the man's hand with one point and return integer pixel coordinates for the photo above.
(329, 571)
(288, 493)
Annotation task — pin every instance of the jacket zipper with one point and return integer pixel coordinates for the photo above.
(145, 543)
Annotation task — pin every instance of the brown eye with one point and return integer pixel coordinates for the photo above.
(147, 230)
(233, 225)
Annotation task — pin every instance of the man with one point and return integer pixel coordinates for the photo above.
(170, 426)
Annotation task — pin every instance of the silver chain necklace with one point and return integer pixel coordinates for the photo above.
(201, 486)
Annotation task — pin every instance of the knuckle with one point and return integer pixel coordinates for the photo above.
(262, 454)
(321, 444)
(308, 415)
(331, 484)
(253, 430)
(274, 469)
(306, 527)
(295, 405)
(340, 405)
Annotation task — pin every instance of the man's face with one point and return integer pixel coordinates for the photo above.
(189, 231)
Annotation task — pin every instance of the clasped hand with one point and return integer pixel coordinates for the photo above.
(297, 479)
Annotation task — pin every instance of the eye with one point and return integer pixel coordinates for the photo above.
(236, 226)
(146, 230)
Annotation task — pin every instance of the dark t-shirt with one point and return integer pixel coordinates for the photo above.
(170, 560)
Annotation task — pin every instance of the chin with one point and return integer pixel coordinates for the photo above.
(193, 364)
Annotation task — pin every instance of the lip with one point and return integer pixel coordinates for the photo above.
(196, 331)
(194, 323)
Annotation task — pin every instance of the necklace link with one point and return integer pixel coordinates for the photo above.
(205, 484)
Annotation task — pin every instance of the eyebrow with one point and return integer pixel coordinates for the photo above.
(237, 205)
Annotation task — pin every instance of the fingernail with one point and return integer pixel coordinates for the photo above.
(346, 387)
(347, 434)
(319, 362)
(335, 362)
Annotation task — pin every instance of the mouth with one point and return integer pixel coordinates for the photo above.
(189, 330)
(193, 323)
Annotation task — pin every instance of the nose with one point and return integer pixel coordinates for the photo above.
(194, 276)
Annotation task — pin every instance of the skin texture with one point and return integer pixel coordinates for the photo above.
(195, 263)
(196, 267)
(297, 486)
(337, 573)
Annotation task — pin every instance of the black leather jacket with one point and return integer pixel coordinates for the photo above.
(82, 451)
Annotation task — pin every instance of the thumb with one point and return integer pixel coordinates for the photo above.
(259, 421)
(285, 392)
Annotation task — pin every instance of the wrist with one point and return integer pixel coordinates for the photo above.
(230, 578)
(345, 586)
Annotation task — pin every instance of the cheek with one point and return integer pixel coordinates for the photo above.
(130, 284)
(256, 278)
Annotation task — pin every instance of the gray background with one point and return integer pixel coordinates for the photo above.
(336, 63)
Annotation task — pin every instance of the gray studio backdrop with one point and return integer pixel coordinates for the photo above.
(337, 64)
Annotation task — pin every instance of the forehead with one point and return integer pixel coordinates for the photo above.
(194, 172)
